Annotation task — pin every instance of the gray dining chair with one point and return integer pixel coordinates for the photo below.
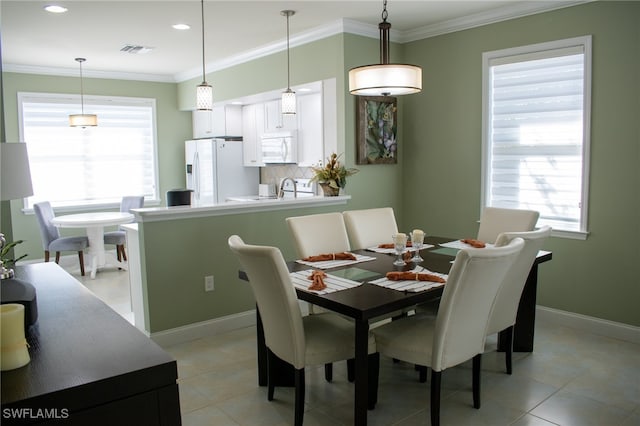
(370, 227)
(503, 315)
(119, 237)
(495, 220)
(300, 341)
(458, 332)
(51, 239)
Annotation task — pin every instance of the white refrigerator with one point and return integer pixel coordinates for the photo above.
(215, 171)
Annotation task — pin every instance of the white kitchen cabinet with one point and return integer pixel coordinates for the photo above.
(224, 120)
(310, 130)
(274, 121)
(252, 130)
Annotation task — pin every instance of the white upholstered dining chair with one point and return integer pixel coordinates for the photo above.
(318, 233)
(119, 237)
(495, 220)
(458, 332)
(503, 315)
(300, 341)
(370, 227)
(51, 239)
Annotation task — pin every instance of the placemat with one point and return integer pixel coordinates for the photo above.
(334, 283)
(328, 264)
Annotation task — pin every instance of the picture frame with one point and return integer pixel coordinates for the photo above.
(376, 130)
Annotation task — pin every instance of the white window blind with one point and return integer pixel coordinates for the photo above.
(536, 133)
(94, 166)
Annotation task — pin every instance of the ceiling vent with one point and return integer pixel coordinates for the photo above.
(135, 49)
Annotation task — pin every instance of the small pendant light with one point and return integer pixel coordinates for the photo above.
(385, 79)
(204, 92)
(82, 120)
(288, 96)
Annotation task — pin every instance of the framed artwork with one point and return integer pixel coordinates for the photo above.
(376, 130)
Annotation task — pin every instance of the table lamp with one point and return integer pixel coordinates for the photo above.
(15, 183)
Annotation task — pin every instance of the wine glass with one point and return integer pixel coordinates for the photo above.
(399, 244)
(417, 240)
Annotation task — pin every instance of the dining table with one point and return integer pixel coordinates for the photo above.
(369, 302)
(94, 223)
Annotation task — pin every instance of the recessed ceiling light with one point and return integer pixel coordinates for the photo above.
(181, 26)
(54, 8)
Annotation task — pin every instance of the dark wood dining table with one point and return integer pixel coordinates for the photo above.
(367, 302)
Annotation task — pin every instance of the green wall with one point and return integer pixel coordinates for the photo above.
(436, 183)
(173, 127)
(597, 277)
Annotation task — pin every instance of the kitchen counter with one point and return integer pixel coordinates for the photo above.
(152, 214)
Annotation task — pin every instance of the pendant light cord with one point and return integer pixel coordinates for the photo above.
(288, 65)
(80, 61)
(202, 16)
(384, 28)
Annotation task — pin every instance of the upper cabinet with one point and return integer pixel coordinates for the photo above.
(275, 121)
(310, 130)
(252, 129)
(225, 120)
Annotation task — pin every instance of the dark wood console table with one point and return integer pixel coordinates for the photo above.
(88, 364)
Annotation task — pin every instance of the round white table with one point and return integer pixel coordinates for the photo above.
(94, 224)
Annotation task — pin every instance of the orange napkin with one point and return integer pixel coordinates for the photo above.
(391, 245)
(413, 276)
(330, 256)
(474, 243)
(318, 282)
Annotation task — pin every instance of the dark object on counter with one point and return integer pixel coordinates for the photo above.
(179, 197)
(13, 290)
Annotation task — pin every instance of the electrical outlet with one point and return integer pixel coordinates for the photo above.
(208, 283)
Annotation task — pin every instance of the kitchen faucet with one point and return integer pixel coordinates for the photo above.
(295, 187)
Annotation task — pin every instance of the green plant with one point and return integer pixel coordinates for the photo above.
(4, 253)
(333, 173)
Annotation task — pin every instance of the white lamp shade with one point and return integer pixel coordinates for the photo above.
(288, 102)
(15, 175)
(83, 120)
(204, 97)
(385, 80)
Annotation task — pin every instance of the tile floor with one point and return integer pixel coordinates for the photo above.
(572, 378)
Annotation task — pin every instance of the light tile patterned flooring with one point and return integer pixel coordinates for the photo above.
(572, 378)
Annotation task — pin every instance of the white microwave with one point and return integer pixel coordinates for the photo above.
(279, 147)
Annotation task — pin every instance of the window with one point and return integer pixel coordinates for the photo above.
(90, 167)
(536, 129)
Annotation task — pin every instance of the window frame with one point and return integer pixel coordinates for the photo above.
(541, 50)
(73, 101)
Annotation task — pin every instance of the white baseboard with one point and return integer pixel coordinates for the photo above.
(601, 327)
(205, 328)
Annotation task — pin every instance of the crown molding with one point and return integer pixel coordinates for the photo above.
(73, 72)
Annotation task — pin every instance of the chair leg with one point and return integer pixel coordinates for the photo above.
(299, 404)
(374, 374)
(270, 378)
(422, 370)
(351, 370)
(46, 255)
(508, 353)
(81, 259)
(436, 378)
(476, 380)
(57, 257)
(118, 256)
(124, 253)
(328, 372)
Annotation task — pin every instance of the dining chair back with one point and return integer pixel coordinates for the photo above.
(458, 332)
(119, 237)
(297, 340)
(495, 220)
(51, 239)
(319, 233)
(503, 315)
(370, 227)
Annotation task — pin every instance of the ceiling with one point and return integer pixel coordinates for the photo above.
(34, 40)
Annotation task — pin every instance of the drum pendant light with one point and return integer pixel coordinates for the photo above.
(82, 120)
(204, 92)
(385, 79)
(288, 96)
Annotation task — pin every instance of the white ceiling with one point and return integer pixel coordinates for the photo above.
(34, 40)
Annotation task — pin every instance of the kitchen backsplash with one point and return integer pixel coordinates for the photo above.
(273, 174)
